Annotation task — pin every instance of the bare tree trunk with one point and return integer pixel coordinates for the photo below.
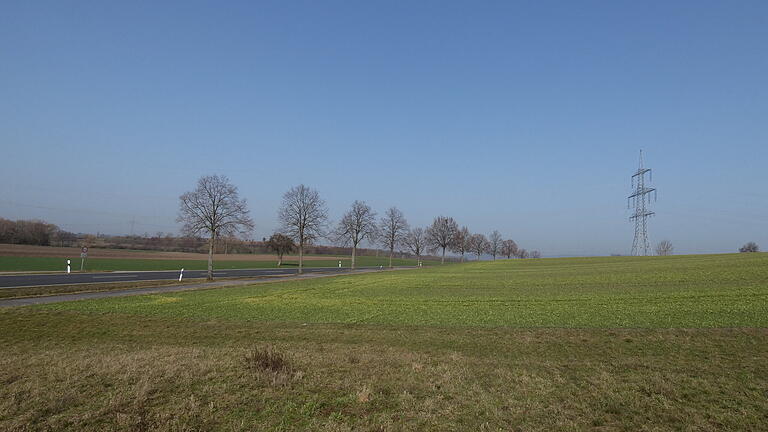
(442, 261)
(279, 260)
(210, 256)
(391, 251)
(301, 258)
(354, 252)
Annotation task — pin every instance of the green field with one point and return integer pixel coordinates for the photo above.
(668, 343)
(8, 263)
(698, 291)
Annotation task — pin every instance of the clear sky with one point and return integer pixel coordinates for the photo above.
(526, 117)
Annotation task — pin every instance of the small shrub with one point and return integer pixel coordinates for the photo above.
(750, 247)
(267, 359)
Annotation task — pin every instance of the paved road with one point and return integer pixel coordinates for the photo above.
(27, 280)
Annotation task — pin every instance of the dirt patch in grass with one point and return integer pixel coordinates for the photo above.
(70, 371)
(24, 292)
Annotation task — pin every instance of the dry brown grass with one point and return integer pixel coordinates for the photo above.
(64, 252)
(24, 292)
(67, 371)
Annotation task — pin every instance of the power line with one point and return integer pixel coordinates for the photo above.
(640, 200)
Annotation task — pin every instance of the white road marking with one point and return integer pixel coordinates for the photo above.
(113, 276)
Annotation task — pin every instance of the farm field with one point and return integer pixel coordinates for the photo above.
(46, 258)
(10, 264)
(17, 250)
(695, 291)
(554, 344)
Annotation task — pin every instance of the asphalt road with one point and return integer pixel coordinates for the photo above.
(28, 280)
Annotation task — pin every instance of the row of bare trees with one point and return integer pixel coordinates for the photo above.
(445, 235)
(215, 208)
(359, 224)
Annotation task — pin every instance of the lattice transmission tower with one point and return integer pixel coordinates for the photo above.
(639, 202)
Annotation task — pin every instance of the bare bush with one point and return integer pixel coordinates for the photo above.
(280, 244)
(750, 247)
(664, 248)
(267, 359)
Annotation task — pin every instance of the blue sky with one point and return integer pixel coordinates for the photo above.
(526, 117)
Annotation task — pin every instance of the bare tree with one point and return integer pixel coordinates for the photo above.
(214, 207)
(509, 248)
(750, 247)
(441, 233)
(358, 224)
(460, 242)
(535, 254)
(303, 215)
(664, 248)
(280, 244)
(393, 228)
(522, 253)
(415, 240)
(494, 244)
(478, 244)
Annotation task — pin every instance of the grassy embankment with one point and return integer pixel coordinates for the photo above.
(561, 344)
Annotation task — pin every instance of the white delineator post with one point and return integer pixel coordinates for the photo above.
(339, 263)
(181, 274)
(69, 267)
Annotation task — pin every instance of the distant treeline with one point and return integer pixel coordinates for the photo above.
(41, 233)
(34, 232)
